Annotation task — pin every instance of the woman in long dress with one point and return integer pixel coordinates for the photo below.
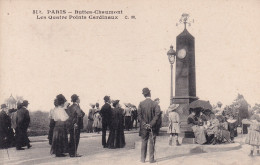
(212, 129)
(116, 137)
(197, 128)
(60, 138)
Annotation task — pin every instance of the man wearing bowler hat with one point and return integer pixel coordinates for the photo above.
(22, 124)
(105, 112)
(148, 114)
(75, 124)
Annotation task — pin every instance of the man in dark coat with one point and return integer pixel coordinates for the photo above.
(105, 112)
(148, 114)
(22, 124)
(75, 124)
(5, 127)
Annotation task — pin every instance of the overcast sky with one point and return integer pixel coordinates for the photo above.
(93, 58)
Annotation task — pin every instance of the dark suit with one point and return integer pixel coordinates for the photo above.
(22, 122)
(105, 112)
(148, 113)
(75, 117)
(5, 130)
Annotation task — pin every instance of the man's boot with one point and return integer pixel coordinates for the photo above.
(29, 145)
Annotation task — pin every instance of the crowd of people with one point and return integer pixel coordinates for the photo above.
(13, 126)
(129, 113)
(66, 122)
(212, 127)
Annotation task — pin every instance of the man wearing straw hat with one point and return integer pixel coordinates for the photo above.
(148, 114)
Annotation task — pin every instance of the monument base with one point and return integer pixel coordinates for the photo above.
(183, 111)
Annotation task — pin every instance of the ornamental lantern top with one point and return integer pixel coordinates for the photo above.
(171, 55)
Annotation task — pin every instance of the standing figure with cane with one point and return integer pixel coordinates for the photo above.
(148, 114)
(75, 123)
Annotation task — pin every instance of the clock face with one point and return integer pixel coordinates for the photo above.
(181, 53)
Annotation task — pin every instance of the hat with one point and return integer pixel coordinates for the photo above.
(74, 98)
(60, 99)
(173, 107)
(107, 98)
(146, 91)
(115, 102)
(25, 103)
(3, 106)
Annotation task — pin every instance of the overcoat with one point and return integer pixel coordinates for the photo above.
(148, 113)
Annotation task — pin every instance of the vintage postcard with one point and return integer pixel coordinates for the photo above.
(129, 82)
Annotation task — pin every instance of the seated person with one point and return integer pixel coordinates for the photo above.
(223, 133)
(212, 129)
(197, 128)
(232, 127)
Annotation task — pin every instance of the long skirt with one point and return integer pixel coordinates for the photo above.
(21, 138)
(116, 139)
(60, 139)
(127, 122)
(199, 133)
(90, 126)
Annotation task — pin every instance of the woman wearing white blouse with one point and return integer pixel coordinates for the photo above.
(60, 138)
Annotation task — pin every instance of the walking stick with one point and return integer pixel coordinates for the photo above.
(75, 145)
(153, 144)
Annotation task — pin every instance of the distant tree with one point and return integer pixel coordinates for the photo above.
(241, 104)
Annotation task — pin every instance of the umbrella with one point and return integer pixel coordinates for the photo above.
(200, 104)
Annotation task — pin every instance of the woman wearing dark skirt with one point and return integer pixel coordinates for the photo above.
(116, 137)
(60, 138)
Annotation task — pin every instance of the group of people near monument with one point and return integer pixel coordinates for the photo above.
(94, 123)
(212, 128)
(13, 126)
(66, 122)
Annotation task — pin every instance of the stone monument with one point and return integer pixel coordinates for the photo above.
(185, 77)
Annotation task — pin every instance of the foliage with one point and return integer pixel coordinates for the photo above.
(39, 123)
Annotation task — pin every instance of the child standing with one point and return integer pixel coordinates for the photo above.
(253, 137)
(174, 123)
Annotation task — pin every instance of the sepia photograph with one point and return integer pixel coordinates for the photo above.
(173, 82)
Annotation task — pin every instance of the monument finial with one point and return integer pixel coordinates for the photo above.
(185, 20)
